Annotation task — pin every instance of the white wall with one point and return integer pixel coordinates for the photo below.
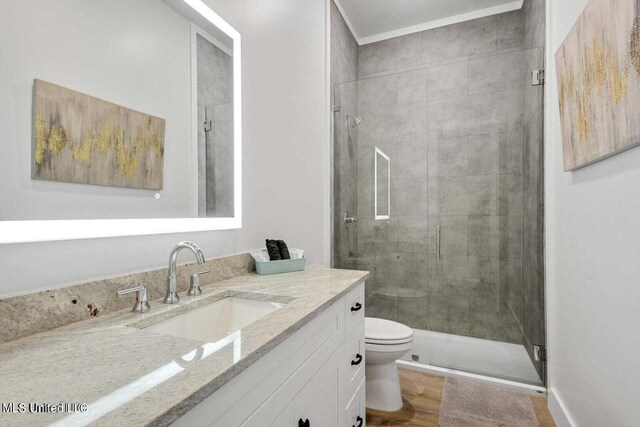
(135, 54)
(285, 153)
(593, 269)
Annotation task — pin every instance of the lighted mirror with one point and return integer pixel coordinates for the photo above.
(130, 124)
(382, 185)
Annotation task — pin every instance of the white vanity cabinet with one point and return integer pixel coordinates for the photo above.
(314, 378)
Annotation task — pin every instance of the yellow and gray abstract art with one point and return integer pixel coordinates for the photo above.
(598, 70)
(85, 140)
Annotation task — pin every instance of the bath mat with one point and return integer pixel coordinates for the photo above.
(468, 403)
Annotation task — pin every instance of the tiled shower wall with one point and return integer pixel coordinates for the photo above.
(448, 107)
(533, 182)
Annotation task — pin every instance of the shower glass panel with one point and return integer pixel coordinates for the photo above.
(453, 241)
(345, 180)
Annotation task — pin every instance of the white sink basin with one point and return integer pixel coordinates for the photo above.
(217, 320)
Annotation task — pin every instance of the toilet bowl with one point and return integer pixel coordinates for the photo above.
(385, 343)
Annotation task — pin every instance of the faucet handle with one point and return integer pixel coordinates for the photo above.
(194, 288)
(142, 298)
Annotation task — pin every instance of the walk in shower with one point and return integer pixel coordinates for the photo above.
(437, 187)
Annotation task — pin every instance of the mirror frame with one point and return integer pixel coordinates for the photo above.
(54, 230)
(379, 152)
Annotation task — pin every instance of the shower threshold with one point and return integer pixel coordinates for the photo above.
(503, 364)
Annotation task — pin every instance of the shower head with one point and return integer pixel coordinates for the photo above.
(357, 120)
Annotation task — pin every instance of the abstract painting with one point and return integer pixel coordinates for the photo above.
(598, 71)
(86, 140)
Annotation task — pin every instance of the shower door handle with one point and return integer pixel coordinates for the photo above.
(438, 236)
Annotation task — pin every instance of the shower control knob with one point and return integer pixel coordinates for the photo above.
(349, 219)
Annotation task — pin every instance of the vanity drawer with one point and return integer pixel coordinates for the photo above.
(354, 307)
(356, 413)
(355, 358)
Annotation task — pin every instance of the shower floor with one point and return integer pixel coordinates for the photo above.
(474, 355)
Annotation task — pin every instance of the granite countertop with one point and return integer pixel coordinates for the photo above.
(132, 376)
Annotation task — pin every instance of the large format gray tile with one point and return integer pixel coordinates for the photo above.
(409, 197)
(533, 172)
(509, 195)
(413, 86)
(448, 80)
(482, 194)
(393, 124)
(483, 154)
(414, 312)
(511, 279)
(365, 200)
(396, 271)
(413, 234)
(510, 30)
(389, 55)
(483, 113)
(510, 236)
(510, 153)
(460, 40)
(448, 313)
(378, 92)
(435, 110)
(448, 156)
(484, 236)
(379, 125)
(448, 195)
(495, 73)
(533, 261)
(470, 275)
(412, 160)
(381, 307)
(534, 23)
(491, 318)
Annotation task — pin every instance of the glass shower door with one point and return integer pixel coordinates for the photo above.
(345, 176)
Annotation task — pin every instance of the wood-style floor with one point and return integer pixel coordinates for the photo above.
(422, 394)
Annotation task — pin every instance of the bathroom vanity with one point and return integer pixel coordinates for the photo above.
(314, 378)
(282, 350)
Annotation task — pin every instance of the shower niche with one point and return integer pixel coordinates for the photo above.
(382, 185)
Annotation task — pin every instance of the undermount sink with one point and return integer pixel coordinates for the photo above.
(217, 320)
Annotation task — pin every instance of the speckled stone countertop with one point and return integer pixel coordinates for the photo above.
(132, 376)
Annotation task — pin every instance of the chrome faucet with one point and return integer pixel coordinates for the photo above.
(172, 280)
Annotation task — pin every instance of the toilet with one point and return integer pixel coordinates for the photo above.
(385, 343)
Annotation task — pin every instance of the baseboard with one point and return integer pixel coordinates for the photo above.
(558, 410)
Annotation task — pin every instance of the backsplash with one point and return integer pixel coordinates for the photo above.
(29, 314)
